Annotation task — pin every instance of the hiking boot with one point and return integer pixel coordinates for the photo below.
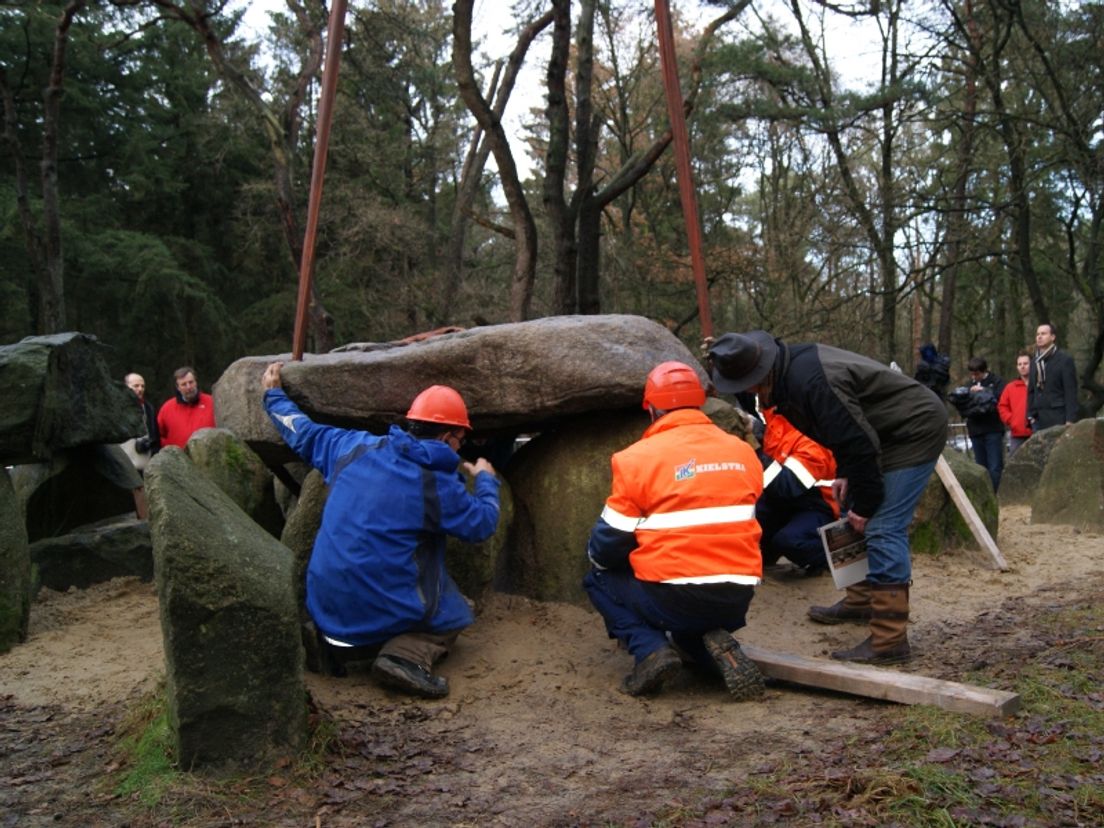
(650, 673)
(402, 674)
(888, 640)
(741, 676)
(854, 606)
(865, 653)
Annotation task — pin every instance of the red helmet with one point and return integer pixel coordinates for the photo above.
(439, 404)
(673, 385)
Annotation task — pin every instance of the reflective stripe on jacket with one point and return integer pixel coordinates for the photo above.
(811, 463)
(685, 496)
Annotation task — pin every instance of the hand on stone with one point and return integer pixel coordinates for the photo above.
(271, 378)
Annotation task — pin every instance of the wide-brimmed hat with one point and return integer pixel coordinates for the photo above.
(740, 361)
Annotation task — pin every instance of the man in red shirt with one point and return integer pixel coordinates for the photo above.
(187, 412)
(1012, 405)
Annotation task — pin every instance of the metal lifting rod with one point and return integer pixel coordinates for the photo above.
(318, 170)
(681, 139)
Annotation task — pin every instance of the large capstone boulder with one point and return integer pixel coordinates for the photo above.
(1071, 489)
(524, 375)
(77, 487)
(93, 554)
(937, 524)
(238, 471)
(58, 394)
(15, 568)
(1024, 469)
(233, 656)
(560, 482)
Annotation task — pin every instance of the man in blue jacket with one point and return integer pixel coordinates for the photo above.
(377, 571)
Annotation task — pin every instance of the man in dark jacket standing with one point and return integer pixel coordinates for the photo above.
(1052, 384)
(886, 432)
(983, 422)
(377, 574)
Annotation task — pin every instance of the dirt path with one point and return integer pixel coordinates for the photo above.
(535, 731)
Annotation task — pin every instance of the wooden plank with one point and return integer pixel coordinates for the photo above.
(883, 683)
(969, 513)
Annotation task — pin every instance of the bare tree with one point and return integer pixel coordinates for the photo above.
(525, 228)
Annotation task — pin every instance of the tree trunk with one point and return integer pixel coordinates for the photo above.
(525, 229)
(51, 315)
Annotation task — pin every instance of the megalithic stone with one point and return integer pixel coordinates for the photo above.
(229, 619)
(518, 375)
(58, 393)
(15, 568)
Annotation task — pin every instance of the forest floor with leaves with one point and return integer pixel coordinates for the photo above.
(535, 732)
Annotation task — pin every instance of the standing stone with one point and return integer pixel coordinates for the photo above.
(302, 527)
(238, 471)
(476, 567)
(229, 619)
(560, 482)
(1024, 469)
(15, 568)
(1071, 489)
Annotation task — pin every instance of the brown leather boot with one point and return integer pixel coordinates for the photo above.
(888, 641)
(854, 606)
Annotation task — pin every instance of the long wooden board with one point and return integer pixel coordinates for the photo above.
(883, 683)
(969, 513)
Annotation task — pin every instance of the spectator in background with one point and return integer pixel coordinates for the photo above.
(140, 449)
(1052, 383)
(187, 412)
(983, 423)
(1012, 405)
(934, 369)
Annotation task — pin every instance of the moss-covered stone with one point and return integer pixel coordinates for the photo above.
(234, 662)
(1024, 469)
(476, 567)
(937, 525)
(1071, 488)
(15, 568)
(560, 482)
(238, 471)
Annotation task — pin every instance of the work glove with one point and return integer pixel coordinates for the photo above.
(142, 445)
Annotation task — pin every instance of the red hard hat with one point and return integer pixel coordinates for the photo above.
(673, 385)
(439, 404)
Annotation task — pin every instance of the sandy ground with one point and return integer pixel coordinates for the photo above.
(535, 731)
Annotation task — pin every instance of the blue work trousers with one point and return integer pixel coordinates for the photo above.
(640, 615)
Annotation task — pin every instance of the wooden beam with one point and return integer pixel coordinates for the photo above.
(883, 683)
(969, 513)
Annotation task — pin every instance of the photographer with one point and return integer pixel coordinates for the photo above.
(977, 403)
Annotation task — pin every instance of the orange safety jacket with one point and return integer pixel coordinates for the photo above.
(812, 464)
(687, 491)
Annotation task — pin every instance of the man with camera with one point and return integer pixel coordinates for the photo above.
(977, 403)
